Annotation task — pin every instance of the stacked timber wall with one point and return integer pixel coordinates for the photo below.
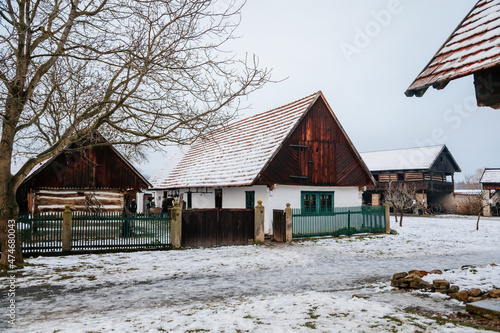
(54, 200)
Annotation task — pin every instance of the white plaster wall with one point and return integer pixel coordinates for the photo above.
(202, 200)
(343, 197)
(139, 199)
(234, 197)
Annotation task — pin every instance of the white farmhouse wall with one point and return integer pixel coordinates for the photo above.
(234, 198)
(202, 200)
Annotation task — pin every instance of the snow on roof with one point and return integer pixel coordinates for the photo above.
(472, 47)
(236, 154)
(490, 176)
(402, 159)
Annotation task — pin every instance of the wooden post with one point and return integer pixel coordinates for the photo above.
(387, 219)
(288, 223)
(259, 223)
(66, 230)
(176, 226)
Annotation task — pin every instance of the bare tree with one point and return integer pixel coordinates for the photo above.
(471, 181)
(400, 197)
(144, 73)
(474, 204)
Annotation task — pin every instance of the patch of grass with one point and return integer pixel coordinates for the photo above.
(394, 320)
(310, 325)
(247, 317)
(311, 313)
(91, 278)
(72, 269)
(64, 277)
(197, 330)
(443, 321)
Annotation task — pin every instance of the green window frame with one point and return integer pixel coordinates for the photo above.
(249, 199)
(317, 202)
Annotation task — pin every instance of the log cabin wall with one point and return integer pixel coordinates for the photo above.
(72, 176)
(316, 153)
(54, 200)
(98, 167)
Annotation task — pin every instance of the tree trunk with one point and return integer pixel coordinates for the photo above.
(9, 237)
(401, 219)
(478, 217)
(9, 210)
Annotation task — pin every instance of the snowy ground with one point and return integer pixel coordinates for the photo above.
(321, 285)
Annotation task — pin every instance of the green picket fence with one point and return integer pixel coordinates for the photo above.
(94, 231)
(340, 221)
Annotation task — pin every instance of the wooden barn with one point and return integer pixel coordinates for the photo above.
(97, 178)
(298, 153)
(429, 169)
(472, 49)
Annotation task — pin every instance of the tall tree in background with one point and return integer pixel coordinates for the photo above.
(144, 73)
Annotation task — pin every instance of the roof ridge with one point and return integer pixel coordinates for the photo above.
(421, 147)
(279, 107)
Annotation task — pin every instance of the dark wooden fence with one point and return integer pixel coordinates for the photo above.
(279, 225)
(217, 227)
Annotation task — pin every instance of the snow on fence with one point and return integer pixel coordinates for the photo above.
(42, 232)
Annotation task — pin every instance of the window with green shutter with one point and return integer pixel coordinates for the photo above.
(249, 199)
(317, 202)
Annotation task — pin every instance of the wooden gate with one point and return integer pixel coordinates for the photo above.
(217, 227)
(279, 225)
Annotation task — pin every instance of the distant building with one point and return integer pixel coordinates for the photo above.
(490, 182)
(472, 49)
(97, 178)
(429, 169)
(298, 154)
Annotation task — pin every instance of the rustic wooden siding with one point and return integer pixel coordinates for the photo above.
(98, 167)
(54, 200)
(491, 186)
(445, 163)
(328, 160)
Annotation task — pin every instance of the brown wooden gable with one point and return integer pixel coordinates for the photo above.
(445, 163)
(97, 167)
(317, 153)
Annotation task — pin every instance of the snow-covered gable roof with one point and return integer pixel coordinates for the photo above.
(472, 47)
(490, 176)
(420, 158)
(234, 155)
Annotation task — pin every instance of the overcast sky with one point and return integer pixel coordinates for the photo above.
(363, 55)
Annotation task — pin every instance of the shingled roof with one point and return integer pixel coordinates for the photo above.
(490, 176)
(235, 155)
(420, 158)
(473, 46)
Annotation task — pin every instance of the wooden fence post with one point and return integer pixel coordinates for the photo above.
(387, 219)
(288, 223)
(176, 226)
(259, 223)
(66, 230)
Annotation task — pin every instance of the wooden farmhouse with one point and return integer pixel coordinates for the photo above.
(429, 169)
(298, 154)
(490, 183)
(97, 178)
(472, 49)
